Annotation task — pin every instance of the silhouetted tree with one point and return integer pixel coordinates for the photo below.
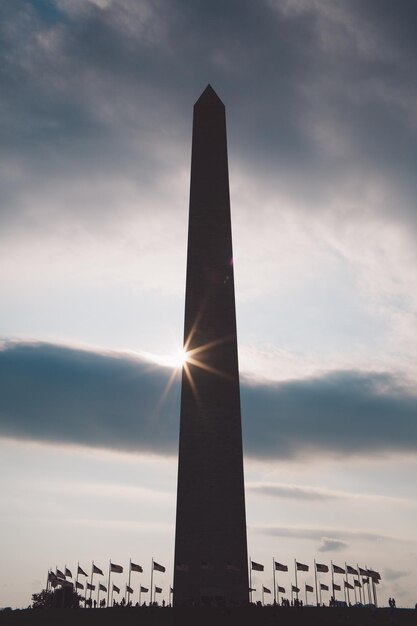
(61, 597)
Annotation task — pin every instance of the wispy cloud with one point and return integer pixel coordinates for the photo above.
(394, 574)
(333, 533)
(319, 494)
(327, 544)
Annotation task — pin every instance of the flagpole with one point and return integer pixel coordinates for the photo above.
(128, 584)
(150, 601)
(47, 581)
(140, 589)
(315, 576)
(320, 596)
(375, 597)
(360, 586)
(76, 580)
(108, 587)
(91, 583)
(98, 593)
(367, 583)
(347, 580)
(250, 579)
(296, 581)
(263, 603)
(333, 590)
(278, 595)
(275, 586)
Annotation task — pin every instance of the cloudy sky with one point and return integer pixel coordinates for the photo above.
(96, 111)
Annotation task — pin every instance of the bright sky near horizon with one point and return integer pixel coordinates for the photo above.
(96, 102)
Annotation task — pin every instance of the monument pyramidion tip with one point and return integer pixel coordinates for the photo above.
(209, 98)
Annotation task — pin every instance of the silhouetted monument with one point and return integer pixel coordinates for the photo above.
(210, 544)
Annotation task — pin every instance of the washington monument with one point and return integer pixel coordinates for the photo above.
(210, 546)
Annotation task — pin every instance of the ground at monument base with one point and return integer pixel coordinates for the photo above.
(250, 616)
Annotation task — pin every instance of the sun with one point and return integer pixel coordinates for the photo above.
(175, 360)
(179, 358)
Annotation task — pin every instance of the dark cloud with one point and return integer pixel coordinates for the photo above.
(55, 393)
(342, 413)
(103, 88)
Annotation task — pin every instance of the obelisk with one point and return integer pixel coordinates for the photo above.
(210, 544)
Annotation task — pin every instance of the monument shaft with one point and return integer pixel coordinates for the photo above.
(210, 545)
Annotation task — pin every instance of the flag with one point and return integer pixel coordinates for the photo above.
(348, 585)
(52, 579)
(309, 588)
(257, 566)
(266, 590)
(81, 572)
(78, 585)
(182, 567)
(116, 589)
(251, 589)
(357, 583)
(91, 587)
(294, 589)
(135, 568)
(281, 589)
(117, 569)
(301, 567)
(365, 581)
(97, 570)
(144, 589)
(363, 572)
(171, 590)
(207, 566)
(324, 587)
(68, 572)
(157, 567)
(158, 589)
(338, 570)
(64, 583)
(322, 568)
(60, 574)
(129, 589)
(279, 567)
(232, 568)
(374, 575)
(336, 587)
(351, 570)
(102, 587)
